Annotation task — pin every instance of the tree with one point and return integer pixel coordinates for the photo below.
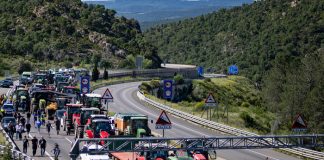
(95, 73)
(105, 75)
(24, 66)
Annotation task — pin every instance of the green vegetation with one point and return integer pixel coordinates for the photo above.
(234, 94)
(278, 44)
(66, 33)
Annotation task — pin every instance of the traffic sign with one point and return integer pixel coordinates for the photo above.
(85, 84)
(167, 89)
(210, 101)
(163, 121)
(107, 96)
(233, 70)
(299, 124)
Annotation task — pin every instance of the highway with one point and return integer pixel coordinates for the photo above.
(125, 100)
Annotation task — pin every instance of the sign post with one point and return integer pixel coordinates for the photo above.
(107, 97)
(85, 84)
(163, 122)
(210, 102)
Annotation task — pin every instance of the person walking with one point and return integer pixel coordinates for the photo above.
(20, 130)
(42, 144)
(57, 125)
(11, 129)
(56, 151)
(17, 130)
(28, 115)
(28, 126)
(25, 145)
(34, 145)
(43, 119)
(23, 121)
(35, 118)
(49, 126)
(38, 125)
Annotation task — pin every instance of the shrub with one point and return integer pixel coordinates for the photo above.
(105, 75)
(178, 79)
(248, 120)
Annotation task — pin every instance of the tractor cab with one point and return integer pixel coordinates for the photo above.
(83, 119)
(22, 98)
(132, 124)
(86, 114)
(40, 78)
(72, 110)
(99, 128)
(93, 100)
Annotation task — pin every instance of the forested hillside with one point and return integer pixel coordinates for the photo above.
(276, 43)
(68, 31)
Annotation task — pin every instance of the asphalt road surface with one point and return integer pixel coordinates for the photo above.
(125, 100)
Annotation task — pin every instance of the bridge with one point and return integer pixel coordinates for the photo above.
(191, 144)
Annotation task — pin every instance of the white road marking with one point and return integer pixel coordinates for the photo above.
(68, 140)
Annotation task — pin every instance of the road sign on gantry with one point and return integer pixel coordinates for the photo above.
(107, 96)
(167, 89)
(299, 124)
(163, 121)
(210, 100)
(85, 84)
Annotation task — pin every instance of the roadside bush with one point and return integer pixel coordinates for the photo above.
(199, 106)
(206, 80)
(248, 120)
(105, 75)
(178, 79)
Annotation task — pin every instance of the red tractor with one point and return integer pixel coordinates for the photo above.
(72, 112)
(83, 119)
(99, 128)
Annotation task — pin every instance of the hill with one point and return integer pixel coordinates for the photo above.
(276, 43)
(245, 111)
(68, 32)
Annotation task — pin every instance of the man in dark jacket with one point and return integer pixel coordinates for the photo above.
(28, 126)
(34, 145)
(42, 144)
(25, 145)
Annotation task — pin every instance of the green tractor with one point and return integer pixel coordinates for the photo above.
(132, 124)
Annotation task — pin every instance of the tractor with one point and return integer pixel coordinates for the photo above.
(99, 128)
(132, 124)
(83, 119)
(92, 100)
(72, 110)
(22, 98)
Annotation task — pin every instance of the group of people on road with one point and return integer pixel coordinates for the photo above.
(24, 125)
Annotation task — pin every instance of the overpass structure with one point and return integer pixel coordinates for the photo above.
(110, 145)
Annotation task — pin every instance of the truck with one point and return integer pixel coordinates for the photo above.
(83, 119)
(132, 124)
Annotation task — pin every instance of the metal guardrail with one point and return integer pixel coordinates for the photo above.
(307, 153)
(16, 153)
(149, 144)
(165, 72)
